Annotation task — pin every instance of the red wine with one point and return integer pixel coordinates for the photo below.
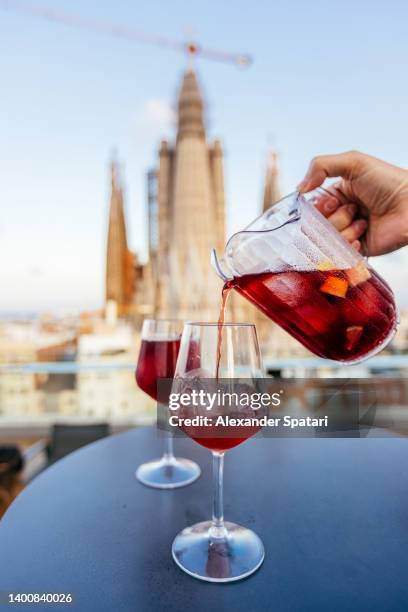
(227, 436)
(222, 444)
(157, 359)
(337, 314)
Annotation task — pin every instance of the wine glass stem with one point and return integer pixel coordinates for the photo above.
(217, 528)
(168, 447)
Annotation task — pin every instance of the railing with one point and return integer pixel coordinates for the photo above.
(309, 363)
(33, 396)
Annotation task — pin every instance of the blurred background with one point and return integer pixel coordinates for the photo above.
(134, 137)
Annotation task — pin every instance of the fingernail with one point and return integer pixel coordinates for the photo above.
(302, 187)
(361, 225)
(331, 205)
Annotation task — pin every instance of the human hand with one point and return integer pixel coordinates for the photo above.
(371, 199)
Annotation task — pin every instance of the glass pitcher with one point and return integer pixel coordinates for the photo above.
(298, 270)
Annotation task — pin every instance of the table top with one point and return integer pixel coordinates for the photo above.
(332, 513)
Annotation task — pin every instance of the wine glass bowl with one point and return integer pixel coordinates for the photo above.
(157, 359)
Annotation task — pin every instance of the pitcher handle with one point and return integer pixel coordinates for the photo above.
(216, 265)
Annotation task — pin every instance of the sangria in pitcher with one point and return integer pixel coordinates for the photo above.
(297, 268)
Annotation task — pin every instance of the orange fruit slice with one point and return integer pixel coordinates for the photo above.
(353, 335)
(358, 274)
(334, 285)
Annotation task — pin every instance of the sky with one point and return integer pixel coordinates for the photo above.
(327, 77)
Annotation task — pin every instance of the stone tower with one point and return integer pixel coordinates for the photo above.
(271, 188)
(189, 215)
(120, 263)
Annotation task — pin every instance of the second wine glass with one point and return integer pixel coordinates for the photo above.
(157, 359)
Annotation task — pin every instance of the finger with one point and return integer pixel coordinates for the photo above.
(338, 192)
(330, 198)
(354, 231)
(327, 204)
(343, 216)
(356, 245)
(326, 166)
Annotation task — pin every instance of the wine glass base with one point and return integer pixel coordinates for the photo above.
(204, 557)
(167, 473)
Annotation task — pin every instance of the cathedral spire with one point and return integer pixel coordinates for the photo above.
(190, 107)
(114, 173)
(271, 188)
(117, 255)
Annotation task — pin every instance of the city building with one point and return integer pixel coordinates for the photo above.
(106, 386)
(23, 393)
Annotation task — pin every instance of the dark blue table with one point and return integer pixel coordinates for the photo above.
(333, 515)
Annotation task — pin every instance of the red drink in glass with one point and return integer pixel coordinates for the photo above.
(344, 315)
(220, 444)
(157, 359)
(222, 437)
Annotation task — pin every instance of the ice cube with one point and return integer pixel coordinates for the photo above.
(318, 315)
(292, 288)
(352, 312)
(368, 300)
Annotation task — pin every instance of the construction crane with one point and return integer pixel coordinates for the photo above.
(192, 48)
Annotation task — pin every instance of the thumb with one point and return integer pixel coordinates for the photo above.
(325, 166)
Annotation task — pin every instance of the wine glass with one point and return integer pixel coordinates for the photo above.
(217, 551)
(157, 359)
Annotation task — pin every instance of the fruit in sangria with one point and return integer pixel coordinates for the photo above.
(345, 315)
